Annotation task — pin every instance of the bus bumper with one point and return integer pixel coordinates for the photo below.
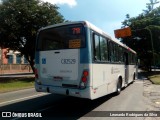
(85, 93)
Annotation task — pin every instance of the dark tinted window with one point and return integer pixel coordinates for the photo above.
(96, 47)
(100, 48)
(10, 59)
(64, 37)
(104, 49)
(18, 59)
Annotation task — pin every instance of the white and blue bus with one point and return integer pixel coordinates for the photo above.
(78, 59)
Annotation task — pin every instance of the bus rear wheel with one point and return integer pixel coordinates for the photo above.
(119, 87)
(134, 77)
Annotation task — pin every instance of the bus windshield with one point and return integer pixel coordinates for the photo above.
(62, 37)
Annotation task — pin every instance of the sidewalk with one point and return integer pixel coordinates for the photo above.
(151, 95)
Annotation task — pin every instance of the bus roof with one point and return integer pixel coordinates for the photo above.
(93, 27)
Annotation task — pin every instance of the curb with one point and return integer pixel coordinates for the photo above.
(151, 81)
(16, 74)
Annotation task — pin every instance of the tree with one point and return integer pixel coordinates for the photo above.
(20, 21)
(145, 37)
(150, 6)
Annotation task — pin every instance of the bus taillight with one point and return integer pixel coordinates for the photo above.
(84, 79)
(85, 73)
(36, 73)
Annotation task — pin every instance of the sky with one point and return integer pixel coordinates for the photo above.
(108, 15)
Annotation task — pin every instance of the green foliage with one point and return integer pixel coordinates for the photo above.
(20, 21)
(150, 6)
(155, 79)
(145, 37)
(13, 84)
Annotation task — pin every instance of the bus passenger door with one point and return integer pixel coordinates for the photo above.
(126, 67)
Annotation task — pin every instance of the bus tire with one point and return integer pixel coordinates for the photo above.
(134, 77)
(119, 87)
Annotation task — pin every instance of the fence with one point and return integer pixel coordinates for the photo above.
(15, 68)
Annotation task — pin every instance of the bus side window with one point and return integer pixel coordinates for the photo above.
(112, 51)
(130, 58)
(126, 58)
(96, 47)
(121, 54)
(104, 49)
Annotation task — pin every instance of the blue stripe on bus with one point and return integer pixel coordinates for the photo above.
(37, 57)
(84, 56)
(85, 52)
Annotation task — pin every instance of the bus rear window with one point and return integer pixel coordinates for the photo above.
(63, 37)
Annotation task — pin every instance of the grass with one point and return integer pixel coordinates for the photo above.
(154, 76)
(155, 79)
(13, 84)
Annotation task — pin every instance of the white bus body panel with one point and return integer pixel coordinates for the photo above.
(59, 65)
(105, 78)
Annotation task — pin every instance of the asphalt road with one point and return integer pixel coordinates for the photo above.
(56, 106)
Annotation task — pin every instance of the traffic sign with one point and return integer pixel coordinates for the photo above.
(121, 33)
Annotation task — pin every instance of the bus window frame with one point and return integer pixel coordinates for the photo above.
(93, 33)
(80, 24)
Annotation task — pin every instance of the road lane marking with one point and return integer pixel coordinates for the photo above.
(24, 98)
